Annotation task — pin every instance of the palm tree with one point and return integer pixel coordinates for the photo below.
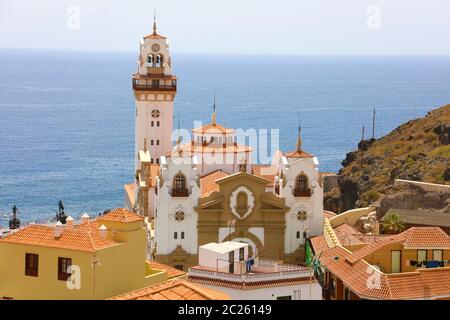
(393, 223)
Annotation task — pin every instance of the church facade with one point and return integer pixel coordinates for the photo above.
(208, 189)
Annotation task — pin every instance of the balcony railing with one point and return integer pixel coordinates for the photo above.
(251, 277)
(180, 193)
(153, 85)
(302, 192)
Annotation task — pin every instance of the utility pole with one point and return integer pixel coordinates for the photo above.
(362, 147)
(373, 124)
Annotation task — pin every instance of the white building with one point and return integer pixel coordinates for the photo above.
(208, 189)
(223, 266)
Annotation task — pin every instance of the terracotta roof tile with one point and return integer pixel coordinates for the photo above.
(420, 284)
(171, 271)
(120, 215)
(263, 170)
(298, 154)
(416, 237)
(208, 184)
(212, 128)
(78, 239)
(174, 289)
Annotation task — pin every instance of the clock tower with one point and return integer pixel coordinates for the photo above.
(154, 88)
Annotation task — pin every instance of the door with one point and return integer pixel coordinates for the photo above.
(231, 262)
(395, 261)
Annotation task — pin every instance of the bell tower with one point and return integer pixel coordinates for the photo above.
(154, 88)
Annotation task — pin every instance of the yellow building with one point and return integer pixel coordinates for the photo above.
(411, 265)
(94, 259)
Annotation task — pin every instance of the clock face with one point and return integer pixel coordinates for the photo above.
(155, 47)
(155, 113)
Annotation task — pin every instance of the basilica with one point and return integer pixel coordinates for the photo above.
(208, 189)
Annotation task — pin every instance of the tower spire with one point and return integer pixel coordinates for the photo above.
(154, 20)
(213, 117)
(299, 138)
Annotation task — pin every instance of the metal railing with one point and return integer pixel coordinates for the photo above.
(153, 85)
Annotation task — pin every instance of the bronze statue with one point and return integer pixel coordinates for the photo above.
(60, 207)
(14, 223)
(61, 216)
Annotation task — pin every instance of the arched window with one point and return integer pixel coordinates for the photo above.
(157, 142)
(152, 142)
(153, 123)
(242, 201)
(298, 234)
(158, 61)
(182, 235)
(150, 59)
(301, 183)
(157, 123)
(179, 186)
(175, 235)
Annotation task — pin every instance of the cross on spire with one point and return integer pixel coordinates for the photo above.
(299, 138)
(154, 20)
(213, 117)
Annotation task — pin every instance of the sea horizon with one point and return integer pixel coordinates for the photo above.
(67, 117)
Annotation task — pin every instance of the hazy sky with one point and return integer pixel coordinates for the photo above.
(232, 26)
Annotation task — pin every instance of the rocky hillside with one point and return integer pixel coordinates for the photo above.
(417, 150)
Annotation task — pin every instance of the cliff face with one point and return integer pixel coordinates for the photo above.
(418, 150)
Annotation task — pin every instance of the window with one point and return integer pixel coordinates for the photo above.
(437, 255)
(157, 142)
(63, 265)
(31, 264)
(347, 294)
(179, 183)
(241, 254)
(157, 123)
(301, 183)
(284, 298)
(152, 142)
(175, 235)
(179, 267)
(151, 160)
(396, 261)
(150, 59)
(231, 262)
(182, 235)
(421, 256)
(332, 287)
(153, 123)
(298, 234)
(157, 161)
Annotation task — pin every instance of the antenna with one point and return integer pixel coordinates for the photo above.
(373, 124)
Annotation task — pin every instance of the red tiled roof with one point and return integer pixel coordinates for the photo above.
(208, 184)
(78, 239)
(416, 237)
(120, 215)
(174, 289)
(329, 214)
(298, 154)
(171, 271)
(154, 36)
(359, 276)
(212, 128)
(263, 170)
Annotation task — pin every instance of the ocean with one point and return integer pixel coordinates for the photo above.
(67, 118)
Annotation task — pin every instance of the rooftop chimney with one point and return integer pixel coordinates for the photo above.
(69, 222)
(58, 229)
(85, 218)
(102, 231)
